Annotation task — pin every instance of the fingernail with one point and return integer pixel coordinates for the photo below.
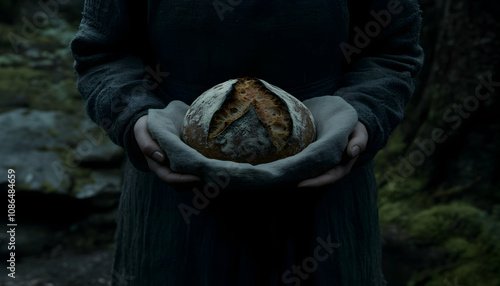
(158, 157)
(355, 151)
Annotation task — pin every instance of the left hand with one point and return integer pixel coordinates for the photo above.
(356, 145)
(156, 158)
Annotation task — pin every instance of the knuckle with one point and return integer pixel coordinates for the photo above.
(148, 148)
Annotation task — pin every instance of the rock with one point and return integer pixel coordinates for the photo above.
(45, 63)
(48, 148)
(36, 130)
(59, 30)
(12, 102)
(107, 152)
(33, 54)
(31, 141)
(104, 182)
(103, 150)
(11, 60)
(37, 170)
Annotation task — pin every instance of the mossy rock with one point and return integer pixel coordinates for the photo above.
(436, 224)
(462, 273)
(82, 177)
(40, 89)
(461, 247)
(394, 213)
(469, 237)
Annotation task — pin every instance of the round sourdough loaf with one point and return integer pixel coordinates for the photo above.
(247, 120)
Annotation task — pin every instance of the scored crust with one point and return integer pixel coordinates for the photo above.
(271, 110)
(247, 120)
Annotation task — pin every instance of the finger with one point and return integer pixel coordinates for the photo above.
(358, 140)
(145, 141)
(329, 177)
(168, 176)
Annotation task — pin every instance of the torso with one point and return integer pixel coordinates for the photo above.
(287, 43)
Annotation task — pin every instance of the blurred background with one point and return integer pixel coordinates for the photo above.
(439, 176)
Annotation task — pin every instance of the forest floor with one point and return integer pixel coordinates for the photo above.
(63, 267)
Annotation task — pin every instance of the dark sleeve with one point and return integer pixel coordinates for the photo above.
(108, 50)
(380, 67)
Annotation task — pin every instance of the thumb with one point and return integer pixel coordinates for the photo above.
(145, 141)
(357, 141)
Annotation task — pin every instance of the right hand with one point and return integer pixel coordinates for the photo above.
(355, 146)
(156, 158)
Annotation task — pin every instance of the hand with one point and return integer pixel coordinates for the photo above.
(156, 158)
(356, 145)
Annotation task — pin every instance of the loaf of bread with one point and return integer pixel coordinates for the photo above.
(247, 120)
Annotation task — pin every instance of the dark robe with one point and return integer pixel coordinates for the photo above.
(131, 57)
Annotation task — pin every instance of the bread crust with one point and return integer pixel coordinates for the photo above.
(247, 120)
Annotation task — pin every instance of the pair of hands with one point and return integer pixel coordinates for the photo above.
(158, 163)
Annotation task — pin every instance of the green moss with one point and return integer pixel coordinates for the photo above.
(435, 224)
(393, 187)
(470, 239)
(5, 45)
(461, 247)
(11, 59)
(23, 186)
(394, 213)
(52, 132)
(66, 89)
(40, 88)
(82, 177)
(456, 274)
(395, 145)
(13, 79)
(48, 188)
(384, 159)
(471, 265)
